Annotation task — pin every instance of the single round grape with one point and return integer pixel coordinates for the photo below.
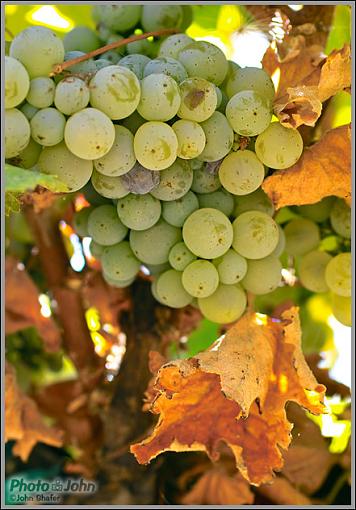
(204, 60)
(200, 278)
(241, 172)
(105, 227)
(152, 246)
(170, 290)
(141, 46)
(204, 181)
(115, 90)
(198, 99)
(71, 95)
(342, 309)
(41, 92)
(113, 56)
(81, 38)
(120, 284)
(263, 275)
(17, 82)
(220, 199)
(226, 305)
(160, 98)
(248, 113)
(158, 17)
(119, 263)
(318, 212)
(219, 137)
(340, 218)
(89, 134)
(47, 127)
(231, 267)
(121, 157)
(175, 212)
(175, 181)
(102, 62)
(17, 132)
(232, 67)
(166, 65)
(80, 221)
(256, 201)
(139, 180)
(73, 171)
(249, 78)
(28, 110)
(96, 249)
(154, 292)
(119, 18)
(171, 46)
(219, 97)
(279, 147)
(92, 196)
(279, 249)
(109, 187)
(38, 49)
(256, 234)
(28, 157)
(180, 256)
(136, 63)
(139, 212)
(312, 270)
(86, 67)
(208, 233)
(191, 138)
(338, 274)
(155, 145)
(302, 236)
(156, 269)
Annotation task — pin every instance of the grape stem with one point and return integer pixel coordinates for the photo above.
(59, 68)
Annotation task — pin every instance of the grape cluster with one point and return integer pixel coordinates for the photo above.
(169, 142)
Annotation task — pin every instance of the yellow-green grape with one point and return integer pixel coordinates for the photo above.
(154, 292)
(340, 218)
(256, 234)
(312, 270)
(96, 249)
(341, 307)
(136, 63)
(166, 65)
(121, 157)
(17, 82)
(175, 181)
(41, 92)
(248, 113)
(279, 249)
(171, 46)
(263, 275)
(175, 212)
(156, 269)
(302, 236)
(170, 290)
(142, 47)
(226, 305)
(208, 233)
(29, 156)
(160, 97)
(256, 201)
(47, 127)
(249, 78)
(180, 256)
(204, 181)
(71, 95)
(120, 284)
(17, 132)
(279, 147)
(139, 212)
(204, 60)
(152, 246)
(155, 145)
(200, 278)
(157, 17)
(198, 99)
(318, 212)
(81, 38)
(220, 199)
(338, 274)
(231, 267)
(109, 187)
(219, 137)
(119, 263)
(191, 138)
(80, 221)
(105, 227)
(118, 18)
(241, 172)
(28, 110)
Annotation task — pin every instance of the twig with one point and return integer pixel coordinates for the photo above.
(59, 68)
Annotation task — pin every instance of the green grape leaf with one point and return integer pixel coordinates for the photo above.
(12, 203)
(206, 15)
(19, 180)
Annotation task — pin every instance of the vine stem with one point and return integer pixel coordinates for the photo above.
(59, 68)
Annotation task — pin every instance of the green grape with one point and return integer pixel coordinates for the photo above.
(160, 98)
(302, 236)
(89, 133)
(121, 157)
(340, 218)
(200, 278)
(279, 249)
(105, 227)
(28, 110)
(115, 90)
(187, 17)
(156, 269)
(80, 221)
(29, 156)
(279, 147)
(218, 96)
(204, 181)
(86, 67)
(119, 263)
(155, 145)
(47, 127)
(120, 50)
(318, 212)
(152, 246)
(256, 201)
(232, 68)
(249, 78)
(139, 212)
(208, 233)
(231, 267)
(133, 122)
(175, 212)
(81, 38)
(341, 307)
(120, 284)
(191, 138)
(255, 234)
(198, 99)
(92, 196)
(73, 171)
(17, 132)
(71, 95)
(338, 274)
(112, 56)
(241, 172)
(204, 60)
(249, 113)
(118, 18)
(219, 137)
(263, 275)
(226, 305)
(168, 66)
(180, 256)
(96, 249)
(220, 199)
(136, 63)
(17, 82)
(38, 49)
(102, 62)
(312, 270)
(175, 181)
(157, 17)
(154, 292)
(142, 47)
(41, 92)
(173, 44)
(109, 187)
(170, 290)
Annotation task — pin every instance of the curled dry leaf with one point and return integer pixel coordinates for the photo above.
(324, 169)
(23, 421)
(235, 393)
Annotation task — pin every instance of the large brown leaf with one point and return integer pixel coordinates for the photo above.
(324, 169)
(235, 393)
